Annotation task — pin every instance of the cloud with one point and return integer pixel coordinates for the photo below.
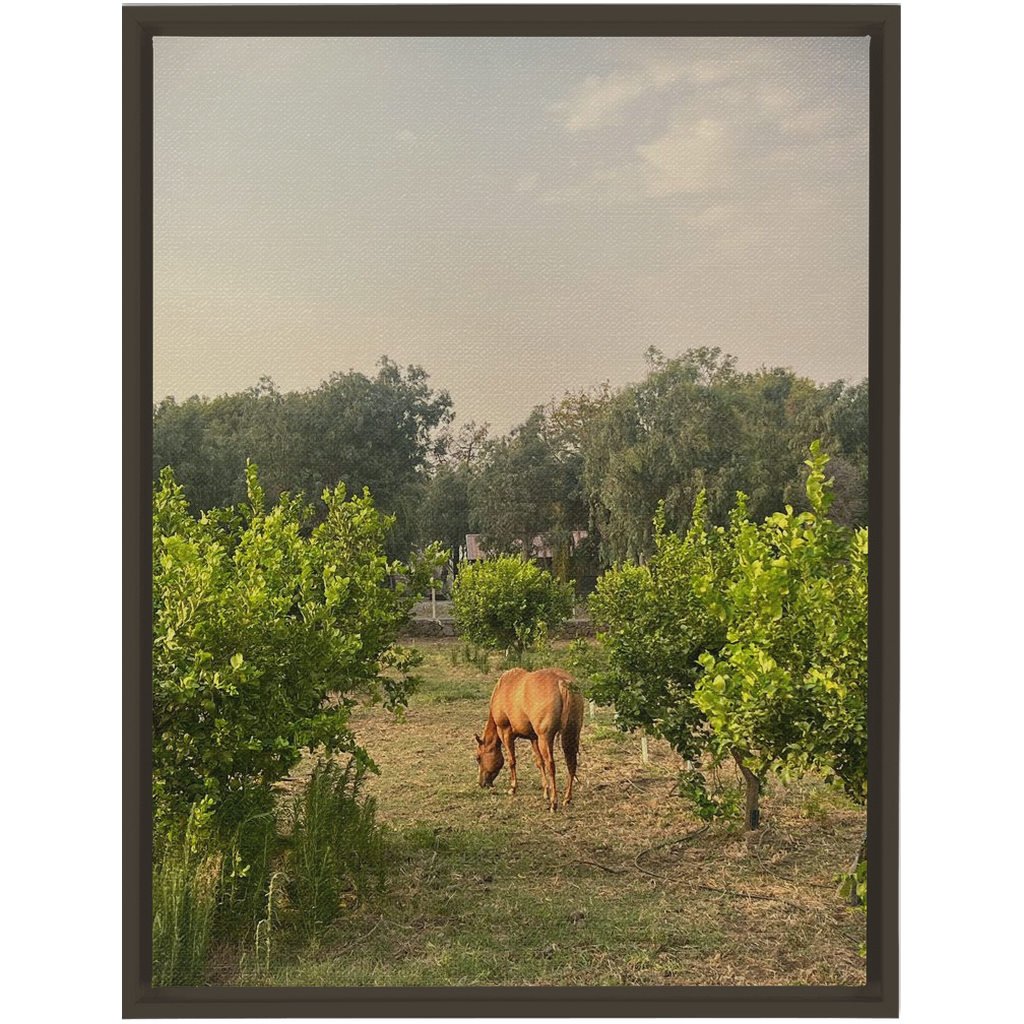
(598, 102)
(741, 154)
(689, 157)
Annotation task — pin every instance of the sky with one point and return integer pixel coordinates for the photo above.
(518, 216)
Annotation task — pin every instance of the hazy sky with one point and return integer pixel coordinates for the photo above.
(518, 216)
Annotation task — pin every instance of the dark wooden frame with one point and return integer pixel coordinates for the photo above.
(879, 998)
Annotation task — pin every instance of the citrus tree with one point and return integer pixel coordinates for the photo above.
(508, 604)
(654, 625)
(747, 641)
(790, 686)
(265, 635)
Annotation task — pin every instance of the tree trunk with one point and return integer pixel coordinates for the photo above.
(751, 812)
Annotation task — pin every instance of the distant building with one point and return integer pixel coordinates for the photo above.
(474, 552)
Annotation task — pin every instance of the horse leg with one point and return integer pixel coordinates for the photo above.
(540, 765)
(571, 750)
(510, 745)
(547, 754)
(572, 724)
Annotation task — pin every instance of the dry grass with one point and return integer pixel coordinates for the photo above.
(620, 888)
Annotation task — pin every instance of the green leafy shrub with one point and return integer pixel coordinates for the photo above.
(586, 661)
(508, 604)
(654, 624)
(336, 846)
(265, 635)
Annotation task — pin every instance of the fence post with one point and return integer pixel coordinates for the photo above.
(645, 753)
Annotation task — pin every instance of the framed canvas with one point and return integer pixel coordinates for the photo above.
(421, 236)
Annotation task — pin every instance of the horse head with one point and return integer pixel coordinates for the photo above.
(490, 758)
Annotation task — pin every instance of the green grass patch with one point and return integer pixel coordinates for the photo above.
(465, 906)
(483, 889)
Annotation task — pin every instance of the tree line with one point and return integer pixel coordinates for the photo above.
(598, 460)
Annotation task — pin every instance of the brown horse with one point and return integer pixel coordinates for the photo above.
(536, 706)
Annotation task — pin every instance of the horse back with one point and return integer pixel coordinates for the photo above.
(535, 703)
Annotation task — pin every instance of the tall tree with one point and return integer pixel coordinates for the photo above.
(256, 622)
(528, 486)
(789, 689)
(748, 642)
(663, 440)
(366, 432)
(696, 424)
(444, 511)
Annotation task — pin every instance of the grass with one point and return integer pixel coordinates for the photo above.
(184, 903)
(335, 848)
(490, 890)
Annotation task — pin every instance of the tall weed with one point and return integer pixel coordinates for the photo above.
(250, 844)
(337, 850)
(255, 966)
(185, 884)
(468, 654)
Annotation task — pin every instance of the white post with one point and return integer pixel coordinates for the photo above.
(593, 709)
(644, 752)
(433, 604)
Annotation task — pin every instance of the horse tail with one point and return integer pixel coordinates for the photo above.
(572, 718)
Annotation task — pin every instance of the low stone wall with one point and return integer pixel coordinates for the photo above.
(445, 627)
(428, 628)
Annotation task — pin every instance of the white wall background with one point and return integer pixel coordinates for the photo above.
(961, 436)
